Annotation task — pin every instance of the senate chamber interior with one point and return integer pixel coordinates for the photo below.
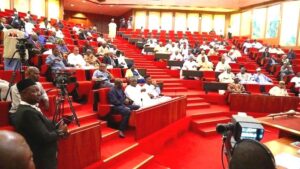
(149, 84)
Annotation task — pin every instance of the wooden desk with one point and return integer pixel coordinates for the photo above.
(262, 103)
(288, 126)
(282, 145)
(162, 56)
(214, 86)
(149, 49)
(151, 119)
(133, 40)
(192, 73)
(175, 63)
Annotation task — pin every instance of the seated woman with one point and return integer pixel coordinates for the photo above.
(133, 72)
(91, 60)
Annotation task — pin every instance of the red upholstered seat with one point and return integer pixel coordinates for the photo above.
(7, 74)
(4, 107)
(80, 74)
(103, 104)
(209, 75)
(253, 88)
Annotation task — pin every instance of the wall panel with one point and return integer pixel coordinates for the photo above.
(258, 23)
(273, 21)
(193, 22)
(154, 20)
(180, 21)
(166, 21)
(206, 22)
(41, 10)
(21, 5)
(140, 19)
(4, 4)
(246, 23)
(53, 9)
(219, 24)
(235, 23)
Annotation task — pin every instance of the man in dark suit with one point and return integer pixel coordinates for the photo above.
(121, 104)
(39, 132)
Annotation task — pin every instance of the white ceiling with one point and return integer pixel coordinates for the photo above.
(119, 7)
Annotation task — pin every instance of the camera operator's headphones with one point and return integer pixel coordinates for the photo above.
(251, 154)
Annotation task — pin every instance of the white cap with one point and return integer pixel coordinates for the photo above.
(258, 69)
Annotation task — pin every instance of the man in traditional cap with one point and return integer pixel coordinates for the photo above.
(39, 132)
(260, 78)
(15, 152)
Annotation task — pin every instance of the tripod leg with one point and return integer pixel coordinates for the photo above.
(71, 107)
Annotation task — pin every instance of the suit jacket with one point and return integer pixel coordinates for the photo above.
(116, 96)
(40, 134)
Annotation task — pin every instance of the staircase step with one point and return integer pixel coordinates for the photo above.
(109, 134)
(47, 85)
(198, 105)
(134, 161)
(195, 100)
(210, 114)
(167, 84)
(154, 165)
(161, 76)
(210, 121)
(206, 131)
(174, 89)
(115, 150)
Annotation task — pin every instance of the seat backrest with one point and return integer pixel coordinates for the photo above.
(103, 95)
(4, 107)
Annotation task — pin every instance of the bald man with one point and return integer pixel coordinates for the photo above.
(32, 73)
(15, 152)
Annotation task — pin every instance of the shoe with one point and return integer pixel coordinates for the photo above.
(121, 134)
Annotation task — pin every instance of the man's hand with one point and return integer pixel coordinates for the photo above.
(143, 90)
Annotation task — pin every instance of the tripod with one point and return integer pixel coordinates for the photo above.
(59, 107)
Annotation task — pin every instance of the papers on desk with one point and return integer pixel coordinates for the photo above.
(287, 161)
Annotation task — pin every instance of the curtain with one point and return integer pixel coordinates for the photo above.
(53, 9)
(180, 21)
(153, 20)
(166, 21)
(21, 5)
(219, 24)
(193, 22)
(4, 4)
(140, 19)
(206, 22)
(246, 21)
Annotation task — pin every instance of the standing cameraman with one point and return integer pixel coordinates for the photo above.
(10, 41)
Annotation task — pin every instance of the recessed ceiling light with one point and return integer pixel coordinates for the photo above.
(84, 1)
(71, 4)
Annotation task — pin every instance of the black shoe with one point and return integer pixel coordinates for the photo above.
(121, 134)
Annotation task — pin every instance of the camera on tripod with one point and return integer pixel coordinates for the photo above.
(22, 45)
(62, 78)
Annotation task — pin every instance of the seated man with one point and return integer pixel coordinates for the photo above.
(244, 76)
(296, 87)
(152, 88)
(205, 65)
(110, 60)
(279, 90)
(236, 87)
(260, 78)
(286, 70)
(200, 56)
(226, 76)
(76, 58)
(91, 60)
(102, 77)
(4, 85)
(121, 104)
(32, 73)
(133, 72)
(222, 65)
(176, 56)
(103, 49)
(160, 48)
(137, 94)
(55, 60)
(15, 152)
(121, 60)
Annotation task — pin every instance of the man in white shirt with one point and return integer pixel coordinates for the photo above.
(199, 57)
(234, 53)
(112, 27)
(205, 65)
(137, 94)
(176, 56)
(152, 89)
(227, 76)
(59, 33)
(256, 44)
(260, 78)
(204, 46)
(32, 73)
(296, 80)
(29, 27)
(222, 65)
(246, 46)
(76, 59)
(244, 76)
(279, 90)
(4, 85)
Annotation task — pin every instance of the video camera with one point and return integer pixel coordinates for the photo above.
(242, 127)
(62, 78)
(22, 45)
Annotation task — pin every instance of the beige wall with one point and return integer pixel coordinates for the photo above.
(48, 8)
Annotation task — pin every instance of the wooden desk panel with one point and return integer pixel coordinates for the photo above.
(81, 148)
(151, 119)
(262, 103)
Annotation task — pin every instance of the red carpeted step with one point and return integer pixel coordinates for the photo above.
(174, 89)
(108, 133)
(114, 150)
(47, 85)
(209, 114)
(135, 160)
(210, 121)
(154, 165)
(206, 131)
(161, 76)
(195, 100)
(198, 105)
(170, 84)
(156, 73)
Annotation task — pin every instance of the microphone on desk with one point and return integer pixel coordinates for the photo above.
(288, 113)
